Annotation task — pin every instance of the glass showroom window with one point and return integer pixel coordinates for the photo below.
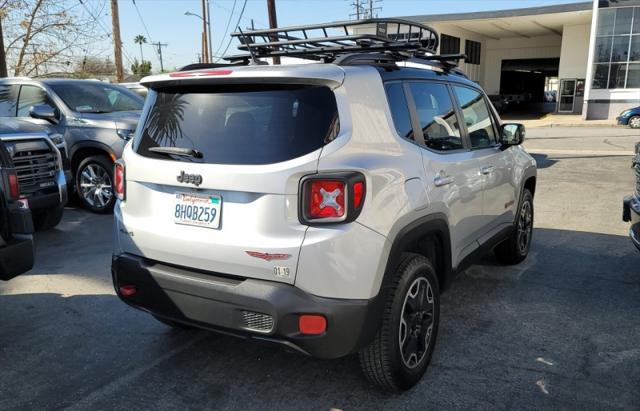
(617, 49)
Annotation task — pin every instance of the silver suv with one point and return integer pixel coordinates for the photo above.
(96, 120)
(323, 207)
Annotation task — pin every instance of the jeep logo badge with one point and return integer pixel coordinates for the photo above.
(189, 178)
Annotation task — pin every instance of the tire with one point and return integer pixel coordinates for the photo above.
(47, 219)
(516, 248)
(173, 324)
(634, 122)
(94, 184)
(386, 361)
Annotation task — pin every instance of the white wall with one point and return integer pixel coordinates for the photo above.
(575, 52)
(474, 71)
(516, 48)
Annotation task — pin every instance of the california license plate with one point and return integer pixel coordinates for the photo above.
(197, 210)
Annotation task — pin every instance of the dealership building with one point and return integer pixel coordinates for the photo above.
(580, 58)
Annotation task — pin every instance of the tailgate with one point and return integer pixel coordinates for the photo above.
(235, 153)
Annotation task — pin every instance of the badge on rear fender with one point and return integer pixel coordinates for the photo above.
(281, 272)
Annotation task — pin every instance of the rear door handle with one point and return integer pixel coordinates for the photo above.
(487, 170)
(443, 180)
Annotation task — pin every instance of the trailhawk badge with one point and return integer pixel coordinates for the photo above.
(267, 256)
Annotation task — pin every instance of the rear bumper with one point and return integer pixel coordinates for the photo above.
(16, 258)
(221, 303)
(631, 213)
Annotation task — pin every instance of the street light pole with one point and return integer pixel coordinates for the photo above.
(206, 51)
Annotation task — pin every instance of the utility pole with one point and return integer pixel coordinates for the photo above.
(273, 23)
(117, 43)
(210, 40)
(160, 46)
(205, 49)
(365, 9)
(3, 59)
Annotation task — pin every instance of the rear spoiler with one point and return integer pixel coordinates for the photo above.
(321, 75)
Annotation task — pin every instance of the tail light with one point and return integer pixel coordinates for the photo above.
(14, 187)
(331, 198)
(119, 182)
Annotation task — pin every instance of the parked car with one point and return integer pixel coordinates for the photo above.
(322, 207)
(631, 204)
(137, 88)
(550, 96)
(39, 164)
(500, 103)
(95, 118)
(630, 118)
(16, 228)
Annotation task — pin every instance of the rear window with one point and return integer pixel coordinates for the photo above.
(239, 124)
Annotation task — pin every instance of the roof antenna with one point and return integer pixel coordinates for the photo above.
(245, 40)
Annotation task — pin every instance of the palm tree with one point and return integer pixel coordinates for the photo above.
(140, 39)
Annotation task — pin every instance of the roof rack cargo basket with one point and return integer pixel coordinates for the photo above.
(325, 42)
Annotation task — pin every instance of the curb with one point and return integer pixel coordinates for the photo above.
(586, 153)
(576, 125)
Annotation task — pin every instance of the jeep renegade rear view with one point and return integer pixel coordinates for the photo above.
(323, 207)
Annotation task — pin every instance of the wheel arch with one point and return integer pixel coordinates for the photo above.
(86, 149)
(529, 181)
(428, 236)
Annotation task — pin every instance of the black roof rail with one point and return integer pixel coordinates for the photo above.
(447, 62)
(326, 42)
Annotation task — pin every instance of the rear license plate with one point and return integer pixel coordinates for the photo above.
(197, 210)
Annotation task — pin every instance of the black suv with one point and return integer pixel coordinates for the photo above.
(631, 205)
(16, 228)
(39, 164)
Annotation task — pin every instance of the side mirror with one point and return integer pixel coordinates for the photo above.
(44, 112)
(512, 134)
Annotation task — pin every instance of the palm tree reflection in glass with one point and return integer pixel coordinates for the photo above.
(164, 125)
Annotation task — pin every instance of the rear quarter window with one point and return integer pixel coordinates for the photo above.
(251, 124)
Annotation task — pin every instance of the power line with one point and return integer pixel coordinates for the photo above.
(226, 30)
(142, 21)
(106, 31)
(231, 38)
(248, 20)
(365, 9)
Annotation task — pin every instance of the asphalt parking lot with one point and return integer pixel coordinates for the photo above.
(561, 330)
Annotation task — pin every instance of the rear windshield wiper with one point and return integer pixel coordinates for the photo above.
(177, 151)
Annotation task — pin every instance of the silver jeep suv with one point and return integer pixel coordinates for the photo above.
(323, 207)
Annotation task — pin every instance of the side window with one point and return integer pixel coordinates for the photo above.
(31, 96)
(476, 116)
(8, 101)
(437, 116)
(399, 110)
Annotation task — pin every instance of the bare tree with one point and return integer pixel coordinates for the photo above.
(47, 35)
(94, 67)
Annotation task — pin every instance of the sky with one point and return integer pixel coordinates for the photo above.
(166, 22)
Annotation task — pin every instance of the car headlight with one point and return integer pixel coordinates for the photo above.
(125, 134)
(625, 113)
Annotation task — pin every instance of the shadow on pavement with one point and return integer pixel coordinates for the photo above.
(543, 160)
